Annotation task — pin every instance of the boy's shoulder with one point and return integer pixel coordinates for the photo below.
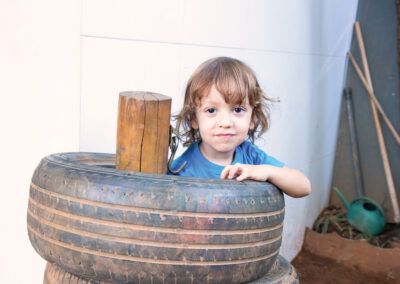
(247, 144)
(196, 164)
(251, 154)
(249, 147)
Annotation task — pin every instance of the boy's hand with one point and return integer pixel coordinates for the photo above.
(243, 172)
(290, 181)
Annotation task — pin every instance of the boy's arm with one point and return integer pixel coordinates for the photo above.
(290, 181)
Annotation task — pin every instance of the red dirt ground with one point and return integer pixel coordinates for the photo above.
(314, 269)
(317, 269)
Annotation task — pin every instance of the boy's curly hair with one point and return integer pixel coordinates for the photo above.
(236, 82)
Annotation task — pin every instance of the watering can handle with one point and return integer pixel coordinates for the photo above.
(376, 204)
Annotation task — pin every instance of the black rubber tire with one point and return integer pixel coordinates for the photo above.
(54, 274)
(282, 272)
(126, 227)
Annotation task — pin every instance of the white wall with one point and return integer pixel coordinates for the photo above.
(59, 84)
(39, 89)
(297, 49)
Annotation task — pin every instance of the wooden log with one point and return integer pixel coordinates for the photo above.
(143, 132)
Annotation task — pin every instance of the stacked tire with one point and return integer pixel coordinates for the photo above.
(100, 223)
(281, 273)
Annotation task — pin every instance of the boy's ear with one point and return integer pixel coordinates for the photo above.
(251, 124)
(195, 125)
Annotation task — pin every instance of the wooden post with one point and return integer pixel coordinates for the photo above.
(143, 132)
(382, 147)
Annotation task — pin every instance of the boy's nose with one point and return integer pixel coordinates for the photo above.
(224, 120)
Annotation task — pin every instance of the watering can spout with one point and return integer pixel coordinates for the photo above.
(346, 203)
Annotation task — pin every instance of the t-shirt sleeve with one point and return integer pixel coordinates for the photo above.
(269, 160)
(262, 158)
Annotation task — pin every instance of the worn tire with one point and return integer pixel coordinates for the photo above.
(54, 274)
(282, 272)
(126, 227)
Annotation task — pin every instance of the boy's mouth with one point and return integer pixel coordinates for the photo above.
(224, 135)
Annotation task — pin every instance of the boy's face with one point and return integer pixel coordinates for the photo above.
(222, 126)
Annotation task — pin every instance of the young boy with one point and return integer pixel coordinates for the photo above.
(224, 106)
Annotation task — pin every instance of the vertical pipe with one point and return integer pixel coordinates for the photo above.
(353, 141)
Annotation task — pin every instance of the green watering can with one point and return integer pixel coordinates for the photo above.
(365, 214)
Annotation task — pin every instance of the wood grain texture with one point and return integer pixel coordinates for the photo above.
(143, 132)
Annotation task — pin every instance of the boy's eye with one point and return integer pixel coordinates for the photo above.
(238, 109)
(211, 110)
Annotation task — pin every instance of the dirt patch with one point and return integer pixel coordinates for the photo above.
(335, 252)
(314, 269)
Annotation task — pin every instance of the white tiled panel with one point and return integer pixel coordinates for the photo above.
(112, 66)
(301, 213)
(152, 20)
(307, 26)
(39, 90)
(309, 89)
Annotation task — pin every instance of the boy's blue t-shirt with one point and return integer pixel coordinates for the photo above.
(198, 166)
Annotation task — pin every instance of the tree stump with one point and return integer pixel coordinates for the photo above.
(143, 132)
